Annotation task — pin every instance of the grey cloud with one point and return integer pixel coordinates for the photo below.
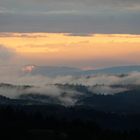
(79, 34)
(114, 22)
(64, 5)
(6, 53)
(20, 35)
(72, 16)
(90, 2)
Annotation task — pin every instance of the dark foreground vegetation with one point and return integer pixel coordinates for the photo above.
(60, 123)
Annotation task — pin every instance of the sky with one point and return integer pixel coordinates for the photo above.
(76, 33)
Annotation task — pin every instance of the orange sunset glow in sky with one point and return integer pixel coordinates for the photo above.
(93, 50)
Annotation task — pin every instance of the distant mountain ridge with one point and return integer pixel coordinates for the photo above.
(50, 70)
(115, 70)
(62, 71)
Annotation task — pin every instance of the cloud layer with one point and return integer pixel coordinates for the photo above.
(79, 16)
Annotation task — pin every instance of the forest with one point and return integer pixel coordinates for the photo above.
(52, 122)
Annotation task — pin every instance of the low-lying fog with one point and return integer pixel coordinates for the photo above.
(45, 85)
